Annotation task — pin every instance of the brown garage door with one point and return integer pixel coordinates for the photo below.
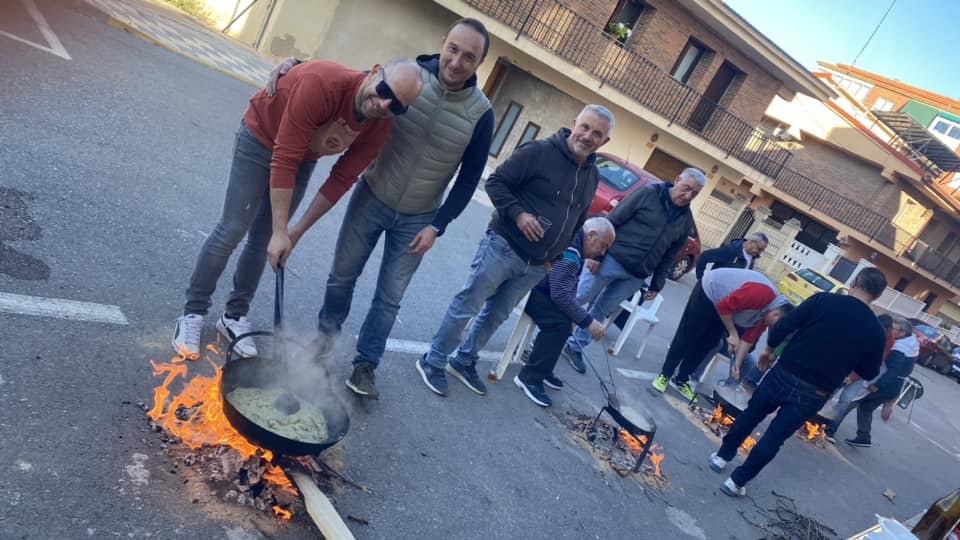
(664, 166)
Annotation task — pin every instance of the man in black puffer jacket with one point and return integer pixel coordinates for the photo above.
(652, 225)
(541, 194)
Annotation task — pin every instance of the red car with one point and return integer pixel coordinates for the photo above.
(935, 348)
(618, 178)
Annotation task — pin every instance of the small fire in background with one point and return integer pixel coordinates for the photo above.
(719, 423)
(195, 417)
(618, 448)
(815, 433)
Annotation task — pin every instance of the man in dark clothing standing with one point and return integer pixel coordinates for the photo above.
(833, 334)
(553, 306)
(742, 253)
(541, 193)
(897, 367)
(652, 225)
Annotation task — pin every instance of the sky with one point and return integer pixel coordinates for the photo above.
(918, 43)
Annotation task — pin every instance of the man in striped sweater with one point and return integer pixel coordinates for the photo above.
(553, 306)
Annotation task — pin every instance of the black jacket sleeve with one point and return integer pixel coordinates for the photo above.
(794, 320)
(659, 277)
(716, 256)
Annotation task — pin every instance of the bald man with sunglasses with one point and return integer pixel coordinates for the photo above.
(319, 109)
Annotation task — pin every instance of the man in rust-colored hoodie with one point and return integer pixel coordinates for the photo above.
(319, 109)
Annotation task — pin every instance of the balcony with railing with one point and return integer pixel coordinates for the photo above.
(559, 29)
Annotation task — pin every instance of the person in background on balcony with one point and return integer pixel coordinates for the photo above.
(319, 109)
(541, 195)
(742, 253)
(832, 335)
(725, 299)
(897, 366)
(553, 306)
(399, 196)
(652, 225)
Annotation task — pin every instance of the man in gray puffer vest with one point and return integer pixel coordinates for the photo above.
(450, 125)
(652, 225)
(541, 194)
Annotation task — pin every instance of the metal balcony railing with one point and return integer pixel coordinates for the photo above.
(559, 29)
(586, 45)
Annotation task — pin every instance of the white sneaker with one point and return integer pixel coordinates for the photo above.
(732, 489)
(716, 462)
(186, 336)
(231, 328)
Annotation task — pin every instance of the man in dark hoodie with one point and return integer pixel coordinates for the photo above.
(541, 196)
(652, 225)
(399, 196)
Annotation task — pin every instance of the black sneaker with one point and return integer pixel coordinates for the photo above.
(575, 359)
(552, 381)
(857, 441)
(361, 381)
(468, 376)
(433, 377)
(534, 392)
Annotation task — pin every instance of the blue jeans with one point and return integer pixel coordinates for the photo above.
(365, 221)
(246, 211)
(498, 280)
(604, 291)
(798, 402)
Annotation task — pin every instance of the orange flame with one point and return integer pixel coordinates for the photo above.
(815, 431)
(206, 425)
(715, 416)
(656, 459)
(281, 513)
(634, 444)
(748, 444)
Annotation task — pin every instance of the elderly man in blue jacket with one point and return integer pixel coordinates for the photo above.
(553, 306)
(541, 195)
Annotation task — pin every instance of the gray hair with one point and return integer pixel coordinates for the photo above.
(904, 325)
(602, 112)
(759, 237)
(694, 174)
(599, 225)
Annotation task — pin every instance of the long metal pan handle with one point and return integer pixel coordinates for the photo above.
(278, 317)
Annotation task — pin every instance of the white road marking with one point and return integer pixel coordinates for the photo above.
(406, 346)
(24, 466)
(639, 375)
(54, 46)
(685, 522)
(60, 309)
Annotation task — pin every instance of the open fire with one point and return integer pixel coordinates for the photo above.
(815, 433)
(195, 417)
(635, 446)
(719, 423)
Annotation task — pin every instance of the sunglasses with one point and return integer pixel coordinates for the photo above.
(383, 90)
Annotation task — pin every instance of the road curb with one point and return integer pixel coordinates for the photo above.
(130, 29)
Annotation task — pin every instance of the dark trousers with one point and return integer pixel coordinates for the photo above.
(699, 330)
(555, 328)
(865, 408)
(797, 400)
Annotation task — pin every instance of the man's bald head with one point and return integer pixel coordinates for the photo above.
(389, 90)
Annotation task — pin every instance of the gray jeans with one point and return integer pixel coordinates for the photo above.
(246, 211)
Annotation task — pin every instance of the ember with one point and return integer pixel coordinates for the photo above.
(195, 417)
(719, 423)
(619, 448)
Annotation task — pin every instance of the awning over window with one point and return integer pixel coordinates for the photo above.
(927, 149)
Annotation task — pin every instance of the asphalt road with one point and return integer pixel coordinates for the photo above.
(113, 169)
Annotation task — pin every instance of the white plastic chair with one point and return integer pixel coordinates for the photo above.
(646, 313)
(519, 340)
